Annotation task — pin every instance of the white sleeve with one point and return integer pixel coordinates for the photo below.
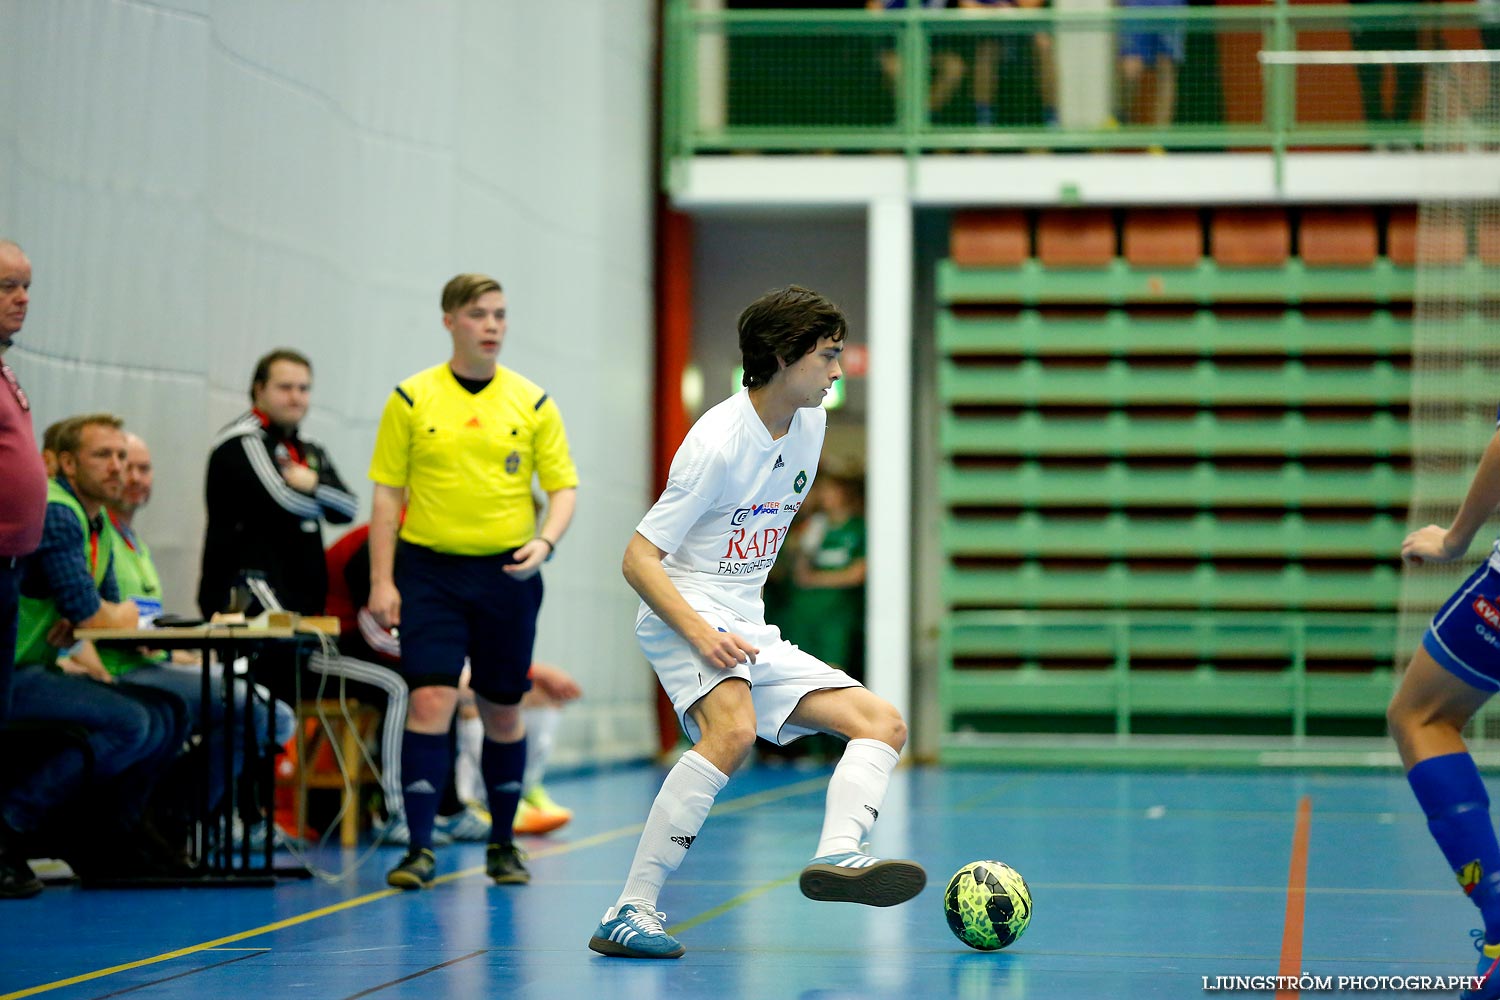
(693, 489)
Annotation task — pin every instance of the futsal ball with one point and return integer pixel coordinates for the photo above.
(987, 904)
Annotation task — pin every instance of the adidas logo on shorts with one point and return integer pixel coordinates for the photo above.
(684, 842)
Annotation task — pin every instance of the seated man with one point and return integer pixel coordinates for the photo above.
(131, 735)
(364, 642)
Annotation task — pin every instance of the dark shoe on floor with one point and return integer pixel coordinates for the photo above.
(17, 880)
(503, 863)
(853, 877)
(415, 871)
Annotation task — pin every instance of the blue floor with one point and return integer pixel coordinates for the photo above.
(1143, 883)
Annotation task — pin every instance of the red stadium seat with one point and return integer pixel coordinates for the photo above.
(1487, 236)
(1439, 243)
(989, 239)
(1250, 237)
(1163, 237)
(1338, 237)
(1076, 238)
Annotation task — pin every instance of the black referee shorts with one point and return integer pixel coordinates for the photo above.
(456, 607)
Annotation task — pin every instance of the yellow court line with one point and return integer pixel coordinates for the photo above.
(729, 904)
(736, 805)
(303, 918)
(1003, 787)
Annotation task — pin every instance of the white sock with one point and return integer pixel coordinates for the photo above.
(467, 773)
(675, 819)
(541, 727)
(855, 793)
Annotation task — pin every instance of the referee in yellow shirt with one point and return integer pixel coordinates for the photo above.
(458, 445)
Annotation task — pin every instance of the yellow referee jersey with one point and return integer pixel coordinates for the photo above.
(467, 459)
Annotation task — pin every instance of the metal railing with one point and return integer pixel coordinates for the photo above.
(1008, 80)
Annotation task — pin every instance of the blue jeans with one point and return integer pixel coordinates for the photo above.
(187, 683)
(132, 739)
(10, 607)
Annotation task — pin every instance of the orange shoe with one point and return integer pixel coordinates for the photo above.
(536, 821)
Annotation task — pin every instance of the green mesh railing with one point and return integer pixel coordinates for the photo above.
(918, 80)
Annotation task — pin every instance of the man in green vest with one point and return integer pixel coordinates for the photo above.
(132, 734)
(57, 588)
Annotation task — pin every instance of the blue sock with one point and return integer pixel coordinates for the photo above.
(503, 765)
(424, 771)
(1452, 795)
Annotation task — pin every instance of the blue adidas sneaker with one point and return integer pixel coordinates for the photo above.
(1488, 971)
(633, 932)
(853, 877)
(471, 824)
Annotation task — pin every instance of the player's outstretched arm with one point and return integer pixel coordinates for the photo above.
(644, 572)
(1436, 544)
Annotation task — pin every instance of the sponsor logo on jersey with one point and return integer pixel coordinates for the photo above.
(747, 551)
(747, 544)
(743, 514)
(779, 464)
(800, 483)
(684, 842)
(874, 813)
(1486, 636)
(513, 462)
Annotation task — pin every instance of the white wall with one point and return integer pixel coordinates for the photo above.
(198, 181)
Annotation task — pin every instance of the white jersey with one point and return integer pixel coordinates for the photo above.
(729, 503)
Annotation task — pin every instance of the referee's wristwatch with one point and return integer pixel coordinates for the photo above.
(551, 547)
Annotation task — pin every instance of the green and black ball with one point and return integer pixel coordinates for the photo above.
(988, 905)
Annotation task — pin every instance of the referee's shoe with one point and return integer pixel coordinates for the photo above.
(503, 863)
(415, 871)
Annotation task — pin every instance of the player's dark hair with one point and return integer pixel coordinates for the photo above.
(785, 323)
(263, 367)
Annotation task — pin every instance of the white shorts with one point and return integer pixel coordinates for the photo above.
(781, 676)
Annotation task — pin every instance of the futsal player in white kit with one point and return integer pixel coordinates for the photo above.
(698, 561)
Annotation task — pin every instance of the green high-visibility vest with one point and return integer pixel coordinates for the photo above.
(39, 614)
(135, 575)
